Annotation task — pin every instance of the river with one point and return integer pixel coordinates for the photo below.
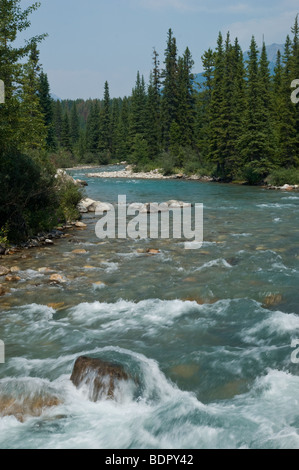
(208, 332)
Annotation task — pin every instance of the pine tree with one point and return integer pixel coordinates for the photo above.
(295, 49)
(217, 130)
(57, 112)
(256, 143)
(115, 112)
(153, 110)
(74, 125)
(186, 100)
(32, 131)
(237, 109)
(122, 132)
(46, 103)
(105, 123)
(170, 91)
(288, 150)
(66, 133)
(137, 115)
(13, 20)
(93, 129)
(203, 104)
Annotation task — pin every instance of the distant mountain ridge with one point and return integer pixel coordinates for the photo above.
(271, 53)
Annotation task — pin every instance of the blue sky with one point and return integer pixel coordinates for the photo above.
(96, 40)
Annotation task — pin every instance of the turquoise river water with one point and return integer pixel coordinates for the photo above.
(208, 332)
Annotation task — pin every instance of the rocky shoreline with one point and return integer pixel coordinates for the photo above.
(157, 175)
(154, 174)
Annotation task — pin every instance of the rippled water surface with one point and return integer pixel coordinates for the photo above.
(207, 332)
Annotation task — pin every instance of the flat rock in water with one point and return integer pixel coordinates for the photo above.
(4, 271)
(79, 252)
(101, 377)
(11, 278)
(15, 269)
(80, 225)
(57, 278)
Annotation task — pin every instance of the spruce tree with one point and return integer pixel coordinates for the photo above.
(46, 103)
(153, 110)
(186, 100)
(13, 20)
(216, 130)
(66, 133)
(288, 155)
(170, 89)
(57, 113)
(105, 122)
(203, 104)
(256, 142)
(32, 131)
(74, 125)
(137, 115)
(93, 129)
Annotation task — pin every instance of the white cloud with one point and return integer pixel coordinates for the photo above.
(274, 28)
(216, 7)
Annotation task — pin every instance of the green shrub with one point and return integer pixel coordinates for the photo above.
(283, 176)
(167, 163)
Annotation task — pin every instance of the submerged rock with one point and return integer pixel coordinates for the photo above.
(101, 377)
(151, 251)
(15, 269)
(26, 408)
(11, 278)
(57, 278)
(79, 251)
(272, 300)
(3, 291)
(80, 225)
(4, 271)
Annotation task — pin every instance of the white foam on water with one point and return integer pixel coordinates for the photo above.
(30, 274)
(220, 262)
(126, 315)
(276, 323)
(238, 235)
(276, 206)
(159, 416)
(110, 267)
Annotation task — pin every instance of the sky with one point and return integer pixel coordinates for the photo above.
(92, 41)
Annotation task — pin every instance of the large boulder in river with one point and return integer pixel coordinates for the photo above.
(99, 376)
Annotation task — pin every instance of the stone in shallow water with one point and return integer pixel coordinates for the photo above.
(151, 251)
(58, 278)
(15, 269)
(3, 290)
(45, 270)
(3, 271)
(272, 300)
(56, 306)
(186, 371)
(98, 284)
(101, 377)
(79, 252)
(11, 278)
(27, 407)
(80, 225)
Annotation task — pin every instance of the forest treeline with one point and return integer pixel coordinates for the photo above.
(239, 124)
